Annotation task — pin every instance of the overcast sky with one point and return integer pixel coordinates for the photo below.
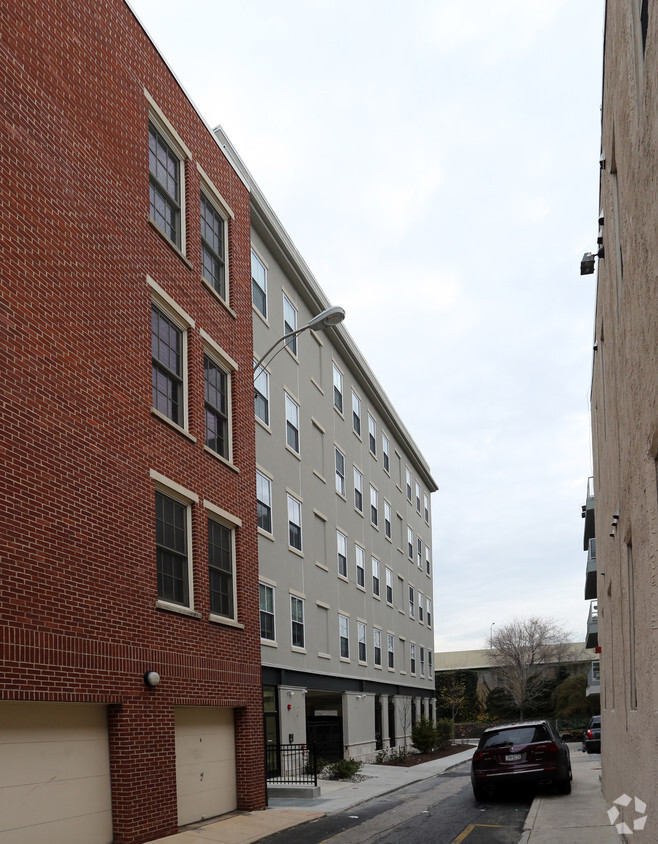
(436, 164)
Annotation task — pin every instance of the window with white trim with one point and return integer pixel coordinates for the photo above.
(390, 647)
(361, 638)
(410, 543)
(264, 502)
(338, 389)
(428, 562)
(417, 497)
(374, 506)
(294, 523)
(168, 349)
(221, 569)
(358, 490)
(429, 663)
(412, 602)
(408, 483)
(420, 607)
(375, 576)
(340, 471)
(292, 423)
(266, 597)
(344, 636)
(258, 284)
(360, 566)
(387, 519)
(426, 507)
(217, 386)
(412, 657)
(385, 454)
(172, 530)
(428, 608)
(214, 229)
(165, 184)
(372, 435)
(377, 646)
(419, 552)
(422, 661)
(389, 586)
(262, 395)
(356, 413)
(297, 621)
(290, 323)
(341, 544)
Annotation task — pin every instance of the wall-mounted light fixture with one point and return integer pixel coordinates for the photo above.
(588, 259)
(151, 678)
(602, 160)
(290, 693)
(614, 523)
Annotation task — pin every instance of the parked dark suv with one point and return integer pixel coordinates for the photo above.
(527, 753)
(592, 735)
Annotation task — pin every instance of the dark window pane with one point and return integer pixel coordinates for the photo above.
(216, 383)
(221, 569)
(171, 541)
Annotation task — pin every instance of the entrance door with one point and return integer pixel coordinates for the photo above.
(271, 719)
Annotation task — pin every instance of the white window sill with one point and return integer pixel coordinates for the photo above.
(227, 463)
(268, 643)
(222, 302)
(177, 608)
(172, 424)
(228, 622)
(297, 650)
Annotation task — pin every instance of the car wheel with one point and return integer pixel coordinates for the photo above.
(564, 786)
(478, 792)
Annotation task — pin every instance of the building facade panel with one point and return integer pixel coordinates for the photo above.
(100, 588)
(624, 399)
(330, 688)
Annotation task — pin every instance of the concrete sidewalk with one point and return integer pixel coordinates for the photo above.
(579, 818)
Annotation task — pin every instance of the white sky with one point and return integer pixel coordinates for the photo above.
(436, 164)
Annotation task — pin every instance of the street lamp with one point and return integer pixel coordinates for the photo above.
(493, 624)
(325, 319)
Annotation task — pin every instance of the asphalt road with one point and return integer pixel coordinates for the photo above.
(440, 810)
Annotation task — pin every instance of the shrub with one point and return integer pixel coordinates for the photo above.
(423, 736)
(343, 769)
(444, 732)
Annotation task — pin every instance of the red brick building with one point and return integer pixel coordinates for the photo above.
(127, 508)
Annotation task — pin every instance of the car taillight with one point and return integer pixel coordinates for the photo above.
(590, 734)
(478, 755)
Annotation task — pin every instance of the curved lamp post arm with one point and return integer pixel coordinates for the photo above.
(325, 319)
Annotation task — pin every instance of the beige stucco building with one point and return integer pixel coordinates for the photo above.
(344, 509)
(575, 656)
(622, 506)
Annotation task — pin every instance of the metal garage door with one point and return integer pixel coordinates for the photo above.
(205, 762)
(55, 774)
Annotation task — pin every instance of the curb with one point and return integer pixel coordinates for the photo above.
(530, 820)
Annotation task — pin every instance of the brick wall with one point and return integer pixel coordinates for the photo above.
(78, 593)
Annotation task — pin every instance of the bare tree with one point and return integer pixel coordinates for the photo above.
(452, 695)
(520, 650)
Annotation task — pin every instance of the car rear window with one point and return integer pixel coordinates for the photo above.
(516, 735)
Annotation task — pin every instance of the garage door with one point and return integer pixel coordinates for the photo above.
(54, 774)
(205, 763)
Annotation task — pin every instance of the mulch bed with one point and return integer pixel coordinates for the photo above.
(419, 758)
